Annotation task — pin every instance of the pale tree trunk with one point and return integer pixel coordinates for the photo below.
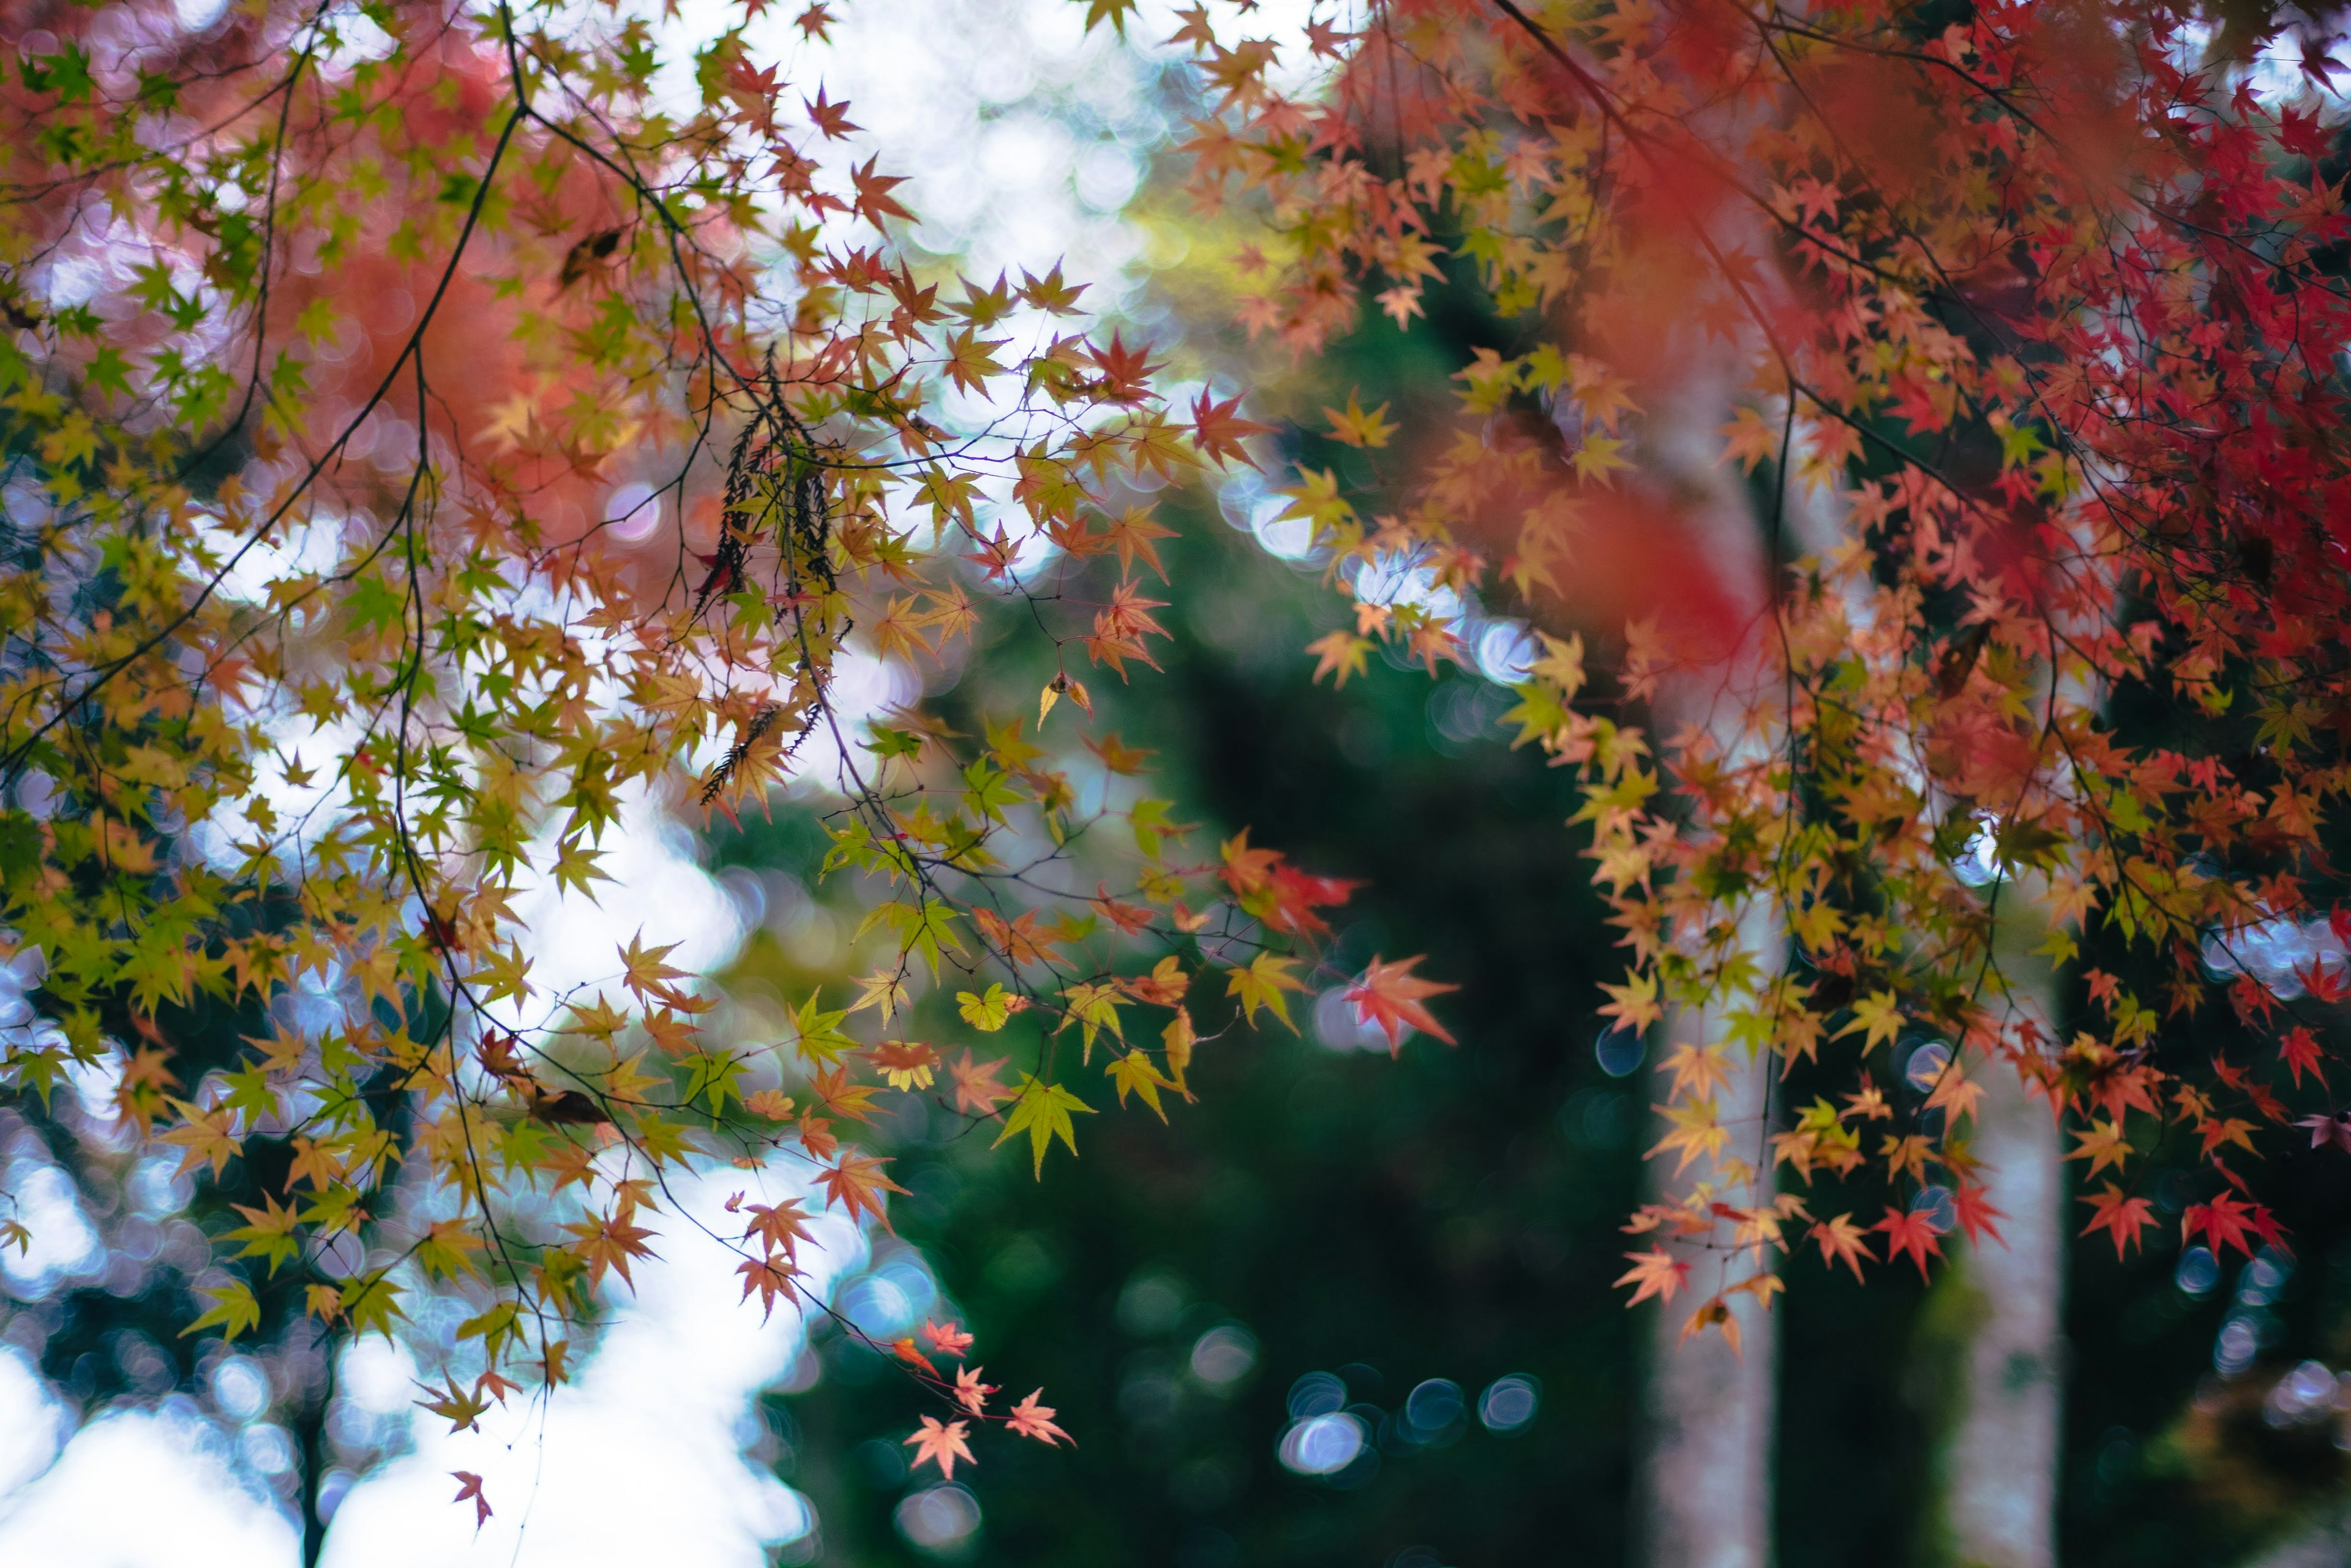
(1999, 1468)
(1711, 1402)
(1710, 1411)
(1996, 1501)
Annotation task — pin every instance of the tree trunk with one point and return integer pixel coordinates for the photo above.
(1711, 1406)
(1710, 1411)
(1998, 1470)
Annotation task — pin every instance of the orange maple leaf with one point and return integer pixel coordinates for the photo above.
(1655, 1272)
(1841, 1241)
(855, 1182)
(771, 1276)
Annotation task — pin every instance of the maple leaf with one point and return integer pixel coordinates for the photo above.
(2122, 1217)
(970, 1392)
(1955, 1093)
(1177, 1040)
(1092, 1007)
(977, 1091)
(1218, 430)
(778, 1228)
(831, 118)
(1655, 1272)
(907, 1064)
(2225, 1222)
(2298, 1048)
(1135, 1070)
(1030, 1419)
(874, 201)
(884, 988)
(988, 1013)
(855, 1182)
(1699, 1070)
(1164, 987)
(2325, 1130)
(1357, 428)
(1043, 1111)
(1841, 1241)
(1390, 996)
(849, 1101)
(1114, 11)
(643, 972)
(771, 1277)
(2103, 1144)
(1633, 1004)
(233, 1312)
(1714, 1314)
(1879, 1015)
(1749, 439)
(1911, 1235)
(1598, 458)
(1261, 984)
(469, 1485)
(946, 1338)
(1695, 1129)
(941, 1445)
(609, 1243)
(453, 1405)
(206, 1137)
(1976, 1213)
(1341, 652)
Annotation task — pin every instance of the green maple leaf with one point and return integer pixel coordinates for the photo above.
(1044, 1112)
(234, 1311)
(820, 1039)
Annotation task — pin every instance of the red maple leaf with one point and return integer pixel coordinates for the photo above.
(1910, 1235)
(1389, 995)
(2121, 1216)
(1976, 1213)
(2298, 1051)
(1126, 372)
(1218, 430)
(470, 1486)
(2224, 1221)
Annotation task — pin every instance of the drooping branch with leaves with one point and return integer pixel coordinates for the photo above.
(437, 439)
(2035, 321)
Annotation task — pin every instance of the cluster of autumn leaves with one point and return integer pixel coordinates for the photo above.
(2028, 348)
(324, 656)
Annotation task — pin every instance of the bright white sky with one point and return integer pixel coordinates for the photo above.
(642, 1460)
